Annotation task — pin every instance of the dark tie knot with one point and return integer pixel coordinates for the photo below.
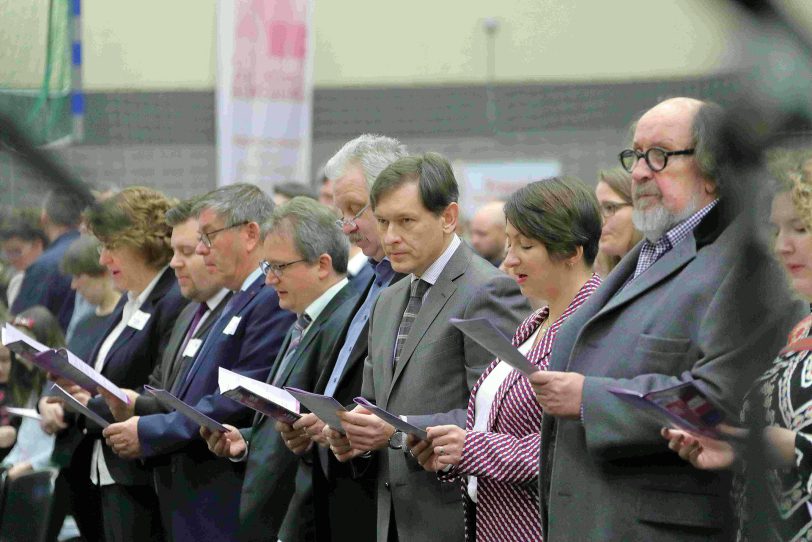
(302, 322)
(201, 310)
(419, 288)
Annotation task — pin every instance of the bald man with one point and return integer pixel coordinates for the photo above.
(488, 232)
(694, 301)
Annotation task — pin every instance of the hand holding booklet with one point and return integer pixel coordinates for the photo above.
(59, 362)
(396, 421)
(323, 406)
(266, 399)
(491, 339)
(77, 407)
(172, 402)
(683, 406)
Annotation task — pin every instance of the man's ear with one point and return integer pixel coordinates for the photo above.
(450, 216)
(325, 265)
(251, 232)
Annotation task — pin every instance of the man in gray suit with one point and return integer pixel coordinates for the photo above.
(418, 363)
(679, 307)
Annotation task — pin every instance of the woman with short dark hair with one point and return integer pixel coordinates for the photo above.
(553, 227)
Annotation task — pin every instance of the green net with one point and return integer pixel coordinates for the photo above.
(35, 68)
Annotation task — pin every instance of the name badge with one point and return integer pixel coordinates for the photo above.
(231, 328)
(138, 320)
(191, 348)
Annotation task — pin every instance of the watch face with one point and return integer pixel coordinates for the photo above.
(396, 440)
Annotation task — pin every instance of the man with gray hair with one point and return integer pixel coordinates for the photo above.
(678, 308)
(245, 338)
(306, 264)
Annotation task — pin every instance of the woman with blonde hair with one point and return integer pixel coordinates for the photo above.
(618, 235)
(135, 249)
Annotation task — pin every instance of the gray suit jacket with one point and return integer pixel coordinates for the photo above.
(712, 309)
(437, 369)
(164, 374)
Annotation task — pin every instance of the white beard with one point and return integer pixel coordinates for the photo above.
(655, 221)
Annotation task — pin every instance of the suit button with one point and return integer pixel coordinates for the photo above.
(386, 485)
(84, 431)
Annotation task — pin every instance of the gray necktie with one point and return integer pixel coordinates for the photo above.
(419, 288)
(297, 331)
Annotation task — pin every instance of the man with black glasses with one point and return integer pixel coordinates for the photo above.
(679, 307)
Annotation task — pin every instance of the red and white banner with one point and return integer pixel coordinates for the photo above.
(264, 91)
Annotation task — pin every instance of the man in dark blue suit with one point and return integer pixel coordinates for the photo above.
(307, 265)
(44, 284)
(245, 338)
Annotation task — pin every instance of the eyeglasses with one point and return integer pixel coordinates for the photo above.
(276, 268)
(656, 158)
(205, 237)
(609, 208)
(350, 222)
(11, 254)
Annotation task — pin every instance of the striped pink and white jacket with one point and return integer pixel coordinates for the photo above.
(505, 457)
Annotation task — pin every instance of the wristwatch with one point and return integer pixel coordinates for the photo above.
(396, 440)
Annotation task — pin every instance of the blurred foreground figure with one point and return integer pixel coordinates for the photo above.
(779, 397)
(679, 307)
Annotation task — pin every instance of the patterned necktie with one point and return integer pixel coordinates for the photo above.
(296, 333)
(419, 288)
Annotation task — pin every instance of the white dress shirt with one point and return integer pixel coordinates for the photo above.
(99, 474)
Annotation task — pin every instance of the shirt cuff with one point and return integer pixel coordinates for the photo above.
(242, 456)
